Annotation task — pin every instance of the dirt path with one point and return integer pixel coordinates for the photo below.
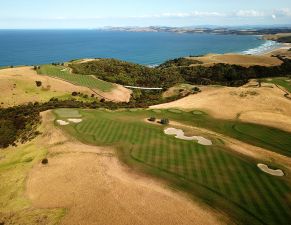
(97, 189)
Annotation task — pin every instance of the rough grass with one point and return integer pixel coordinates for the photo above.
(68, 113)
(63, 73)
(15, 208)
(284, 82)
(28, 91)
(224, 180)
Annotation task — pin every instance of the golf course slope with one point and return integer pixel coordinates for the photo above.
(96, 188)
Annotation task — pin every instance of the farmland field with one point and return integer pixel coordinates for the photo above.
(63, 73)
(219, 177)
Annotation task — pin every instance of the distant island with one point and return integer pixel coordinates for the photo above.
(214, 30)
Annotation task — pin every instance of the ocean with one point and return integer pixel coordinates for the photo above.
(32, 47)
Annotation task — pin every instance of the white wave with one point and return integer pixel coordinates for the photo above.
(153, 66)
(264, 48)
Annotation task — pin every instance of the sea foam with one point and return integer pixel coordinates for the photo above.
(264, 48)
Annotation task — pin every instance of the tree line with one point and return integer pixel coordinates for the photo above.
(176, 71)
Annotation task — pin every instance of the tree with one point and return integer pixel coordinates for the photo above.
(74, 93)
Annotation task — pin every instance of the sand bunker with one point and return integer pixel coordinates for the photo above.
(266, 169)
(62, 122)
(75, 120)
(180, 135)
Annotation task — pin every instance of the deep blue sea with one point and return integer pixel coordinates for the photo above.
(30, 47)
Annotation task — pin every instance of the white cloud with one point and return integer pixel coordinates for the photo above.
(286, 12)
(249, 13)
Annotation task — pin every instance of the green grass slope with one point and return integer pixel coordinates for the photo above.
(227, 181)
(63, 73)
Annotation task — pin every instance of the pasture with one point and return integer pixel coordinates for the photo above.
(218, 176)
(63, 73)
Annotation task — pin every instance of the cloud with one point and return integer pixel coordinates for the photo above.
(286, 12)
(181, 15)
(249, 13)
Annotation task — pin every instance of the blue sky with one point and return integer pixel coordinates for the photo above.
(94, 13)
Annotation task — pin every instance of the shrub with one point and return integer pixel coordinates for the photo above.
(44, 161)
(92, 96)
(38, 83)
(152, 119)
(196, 90)
(74, 93)
(165, 121)
(102, 100)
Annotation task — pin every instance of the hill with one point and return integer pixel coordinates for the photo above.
(181, 70)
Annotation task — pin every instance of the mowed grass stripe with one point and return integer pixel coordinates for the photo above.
(114, 131)
(144, 145)
(212, 169)
(154, 149)
(183, 146)
(176, 159)
(246, 184)
(99, 132)
(201, 160)
(104, 131)
(223, 172)
(82, 127)
(281, 211)
(196, 168)
(232, 181)
(263, 198)
(143, 137)
(148, 148)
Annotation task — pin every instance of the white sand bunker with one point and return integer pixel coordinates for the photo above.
(62, 122)
(75, 120)
(180, 135)
(266, 169)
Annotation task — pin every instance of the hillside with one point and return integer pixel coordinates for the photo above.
(229, 73)
(265, 105)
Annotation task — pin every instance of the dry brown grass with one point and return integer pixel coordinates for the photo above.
(238, 59)
(263, 105)
(97, 189)
(17, 86)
